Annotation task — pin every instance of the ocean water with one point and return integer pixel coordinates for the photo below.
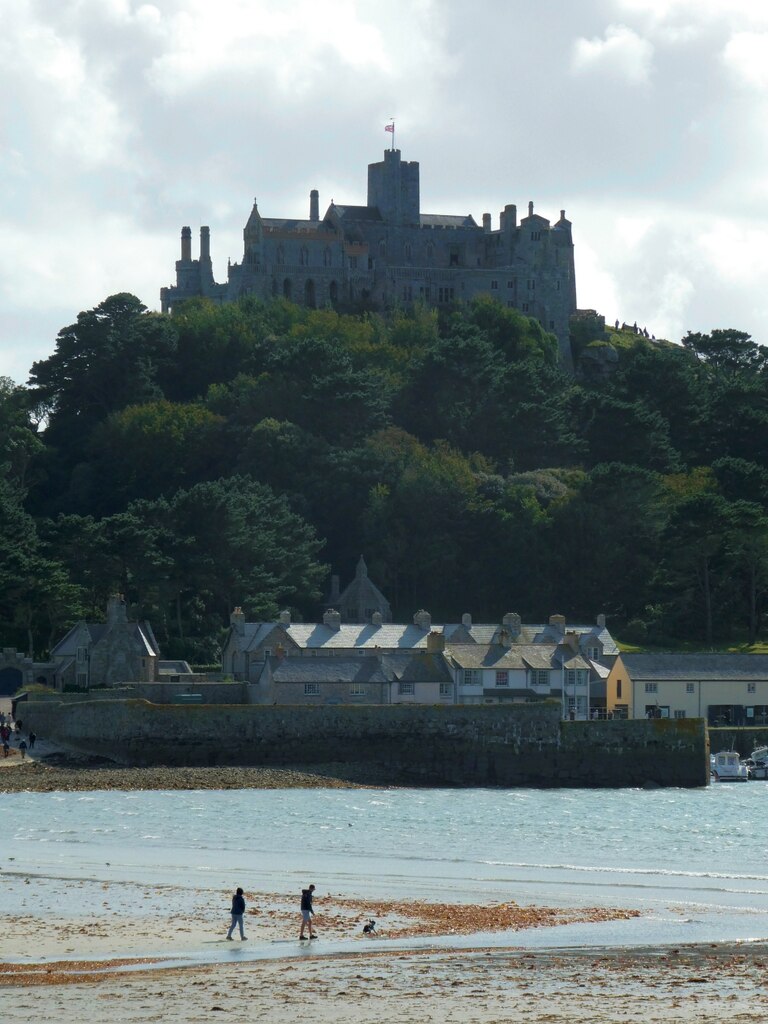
(693, 861)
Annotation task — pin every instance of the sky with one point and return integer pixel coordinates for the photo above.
(121, 121)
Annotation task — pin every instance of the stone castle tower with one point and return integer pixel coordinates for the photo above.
(389, 253)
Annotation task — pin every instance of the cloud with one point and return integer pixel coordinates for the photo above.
(745, 57)
(620, 52)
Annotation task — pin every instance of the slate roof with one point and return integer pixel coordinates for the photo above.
(142, 632)
(358, 212)
(447, 220)
(289, 224)
(494, 656)
(400, 667)
(696, 666)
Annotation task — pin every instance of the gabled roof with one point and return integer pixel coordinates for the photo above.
(447, 220)
(696, 666)
(369, 213)
(405, 666)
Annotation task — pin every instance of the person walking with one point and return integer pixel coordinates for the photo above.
(23, 749)
(307, 913)
(238, 909)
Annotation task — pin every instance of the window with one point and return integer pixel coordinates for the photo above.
(408, 251)
(525, 307)
(82, 654)
(618, 689)
(593, 653)
(353, 262)
(494, 285)
(551, 325)
(750, 687)
(679, 714)
(304, 256)
(327, 257)
(511, 284)
(473, 677)
(535, 236)
(311, 689)
(82, 679)
(531, 285)
(502, 678)
(651, 687)
(446, 690)
(357, 690)
(406, 688)
(539, 677)
(690, 688)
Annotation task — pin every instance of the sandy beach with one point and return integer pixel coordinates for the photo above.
(86, 950)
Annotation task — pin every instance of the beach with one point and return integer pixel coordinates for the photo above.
(115, 886)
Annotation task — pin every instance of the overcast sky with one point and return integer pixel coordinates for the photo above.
(644, 119)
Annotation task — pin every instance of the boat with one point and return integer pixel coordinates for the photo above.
(757, 763)
(726, 767)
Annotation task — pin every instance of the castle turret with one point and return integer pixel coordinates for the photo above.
(314, 205)
(393, 187)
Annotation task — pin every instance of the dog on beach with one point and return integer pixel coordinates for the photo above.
(370, 928)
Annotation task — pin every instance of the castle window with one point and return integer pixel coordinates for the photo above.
(304, 256)
(280, 254)
(525, 307)
(327, 257)
(82, 654)
(494, 285)
(287, 288)
(453, 260)
(551, 325)
(511, 284)
(430, 251)
(382, 248)
(531, 285)
(353, 262)
(408, 251)
(535, 236)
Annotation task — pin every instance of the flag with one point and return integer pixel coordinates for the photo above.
(389, 127)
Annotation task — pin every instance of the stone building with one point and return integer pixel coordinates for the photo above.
(104, 654)
(359, 601)
(388, 253)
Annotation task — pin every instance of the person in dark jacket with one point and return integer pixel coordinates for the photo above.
(238, 909)
(307, 912)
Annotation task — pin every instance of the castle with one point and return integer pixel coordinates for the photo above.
(389, 253)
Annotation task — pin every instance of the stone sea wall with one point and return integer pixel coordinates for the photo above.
(492, 745)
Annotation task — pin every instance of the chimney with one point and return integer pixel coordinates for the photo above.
(512, 623)
(186, 245)
(530, 209)
(205, 244)
(558, 622)
(505, 637)
(332, 619)
(572, 639)
(423, 620)
(237, 620)
(285, 618)
(435, 642)
(116, 610)
(486, 222)
(314, 205)
(466, 620)
(601, 621)
(376, 619)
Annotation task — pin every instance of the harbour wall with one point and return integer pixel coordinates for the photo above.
(462, 745)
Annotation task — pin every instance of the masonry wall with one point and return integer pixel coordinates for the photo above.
(515, 745)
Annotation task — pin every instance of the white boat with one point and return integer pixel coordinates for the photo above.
(757, 763)
(726, 767)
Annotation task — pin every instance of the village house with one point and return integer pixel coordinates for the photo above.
(726, 689)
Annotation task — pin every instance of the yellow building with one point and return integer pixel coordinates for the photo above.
(726, 689)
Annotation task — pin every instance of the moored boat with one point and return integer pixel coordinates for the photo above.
(757, 763)
(726, 767)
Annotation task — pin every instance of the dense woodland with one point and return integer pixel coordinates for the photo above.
(232, 455)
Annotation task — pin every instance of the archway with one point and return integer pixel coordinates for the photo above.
(287, 288)
(10, 681)
(333, 293)
(309, 294)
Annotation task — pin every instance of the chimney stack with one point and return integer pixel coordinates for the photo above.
(205, 245)
(116, 610)
(332, 619)
(558, 622)
(376, 619)
(601, 621)
(186, 245)
(486, 222)
(285, 618)
(423, 620)
(237, 620)
(435, 642)
(314, 205)
(513, 624)
(466, 620)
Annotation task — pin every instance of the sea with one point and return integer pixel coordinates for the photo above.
(693, 861)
